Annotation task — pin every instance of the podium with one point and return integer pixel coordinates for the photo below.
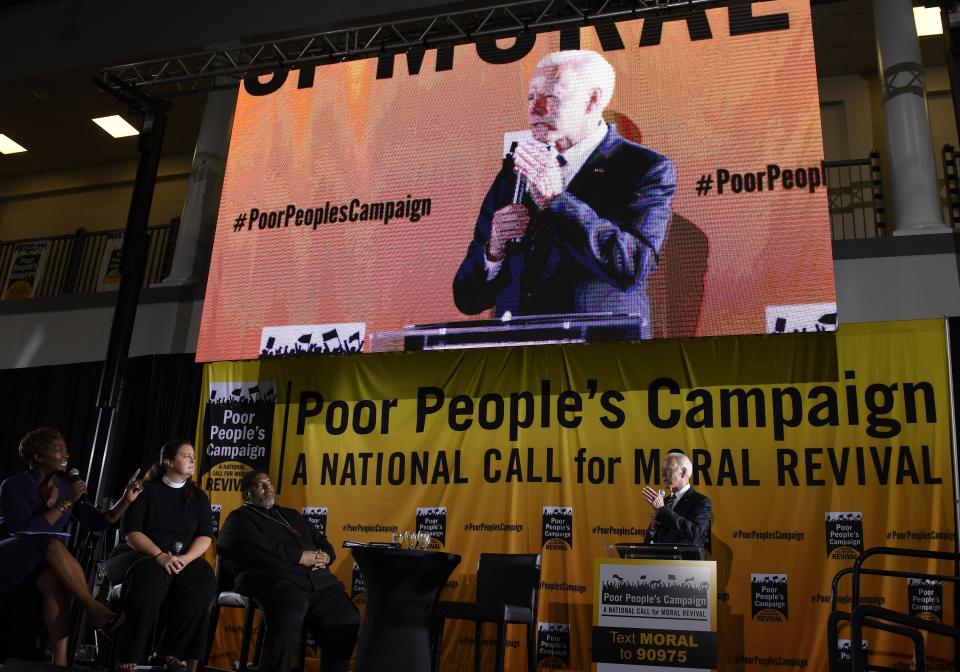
(653, 611)
(654, 551)
(518, 330)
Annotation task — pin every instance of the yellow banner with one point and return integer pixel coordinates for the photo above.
(812, 447)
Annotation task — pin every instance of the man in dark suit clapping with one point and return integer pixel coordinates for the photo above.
(682, 516)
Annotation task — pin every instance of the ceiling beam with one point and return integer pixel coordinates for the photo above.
(227, 65)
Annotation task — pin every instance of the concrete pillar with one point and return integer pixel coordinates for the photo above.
(191, 255)
(913, 174)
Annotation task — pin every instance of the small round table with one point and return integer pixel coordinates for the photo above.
(402, 588)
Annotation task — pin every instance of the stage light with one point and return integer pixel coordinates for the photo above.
(8, 146)
(927, 20)
(116, 126)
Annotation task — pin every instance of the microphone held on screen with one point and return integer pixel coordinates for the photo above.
(519, 186)
(176, 547)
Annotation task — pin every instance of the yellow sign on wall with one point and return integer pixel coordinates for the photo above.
(812, 447)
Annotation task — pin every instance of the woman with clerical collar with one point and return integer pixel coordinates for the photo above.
(161, 563)
(36, 506)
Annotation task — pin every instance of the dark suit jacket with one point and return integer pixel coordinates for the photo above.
(262, 553)
(687, 523)
(590, 250)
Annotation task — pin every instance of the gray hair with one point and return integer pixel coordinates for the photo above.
(589, 69)
(679, 459)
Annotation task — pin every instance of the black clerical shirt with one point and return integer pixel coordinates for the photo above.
(168, 515)
(263, 548)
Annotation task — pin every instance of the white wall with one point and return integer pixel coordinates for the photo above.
(63, 336)
(897, 288)
(854, 93)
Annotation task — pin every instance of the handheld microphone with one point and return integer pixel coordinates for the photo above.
(519, 187)
(177, 547)
(73, 474)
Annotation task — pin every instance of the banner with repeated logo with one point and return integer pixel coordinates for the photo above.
(812, 447)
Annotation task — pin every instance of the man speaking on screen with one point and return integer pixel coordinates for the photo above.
(587, 232)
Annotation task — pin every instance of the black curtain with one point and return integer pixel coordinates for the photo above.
(160, 400)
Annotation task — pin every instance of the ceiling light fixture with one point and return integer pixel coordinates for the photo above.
(927, 20)
(8, 146)
(116, 126)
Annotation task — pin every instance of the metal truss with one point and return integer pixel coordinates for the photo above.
(225, 67)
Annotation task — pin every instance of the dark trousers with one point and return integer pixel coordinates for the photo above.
(183, 598)
(330, 615)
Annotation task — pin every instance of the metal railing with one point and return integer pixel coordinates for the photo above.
(951, 182)
(87, 261)
(854, 657)
(855, 198)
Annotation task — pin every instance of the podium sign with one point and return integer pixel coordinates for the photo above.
(655, 615)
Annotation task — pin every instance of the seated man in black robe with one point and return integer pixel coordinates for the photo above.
(282, 562)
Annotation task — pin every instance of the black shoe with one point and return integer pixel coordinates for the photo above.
(109, 629)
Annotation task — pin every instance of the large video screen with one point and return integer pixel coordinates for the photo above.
(654, 178)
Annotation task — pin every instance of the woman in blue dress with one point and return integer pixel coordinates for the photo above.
(36, 507)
